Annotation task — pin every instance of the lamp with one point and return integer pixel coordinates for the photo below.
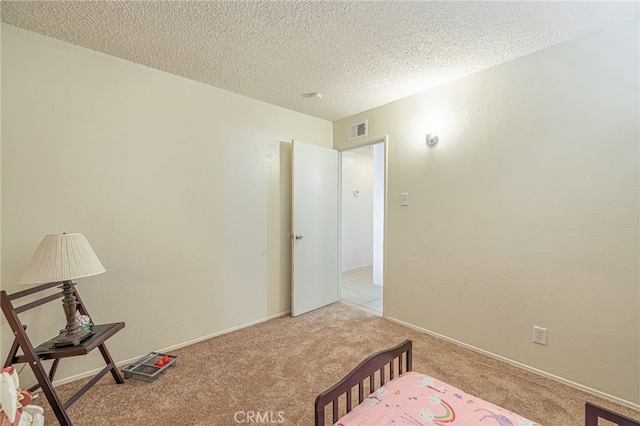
(64, 257)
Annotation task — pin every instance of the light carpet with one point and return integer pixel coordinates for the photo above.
(279, 367)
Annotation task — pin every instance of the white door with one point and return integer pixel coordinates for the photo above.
(314, 227)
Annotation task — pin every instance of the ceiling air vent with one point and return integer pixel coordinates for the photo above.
(358, 130)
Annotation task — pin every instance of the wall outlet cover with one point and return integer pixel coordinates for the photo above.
(539, 335)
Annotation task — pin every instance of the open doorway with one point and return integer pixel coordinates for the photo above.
(362, 227)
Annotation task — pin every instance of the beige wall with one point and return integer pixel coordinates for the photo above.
(175, 184)
(526, 212)
(2, 346)
(357, 212)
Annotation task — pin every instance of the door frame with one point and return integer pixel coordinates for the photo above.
(385, 163)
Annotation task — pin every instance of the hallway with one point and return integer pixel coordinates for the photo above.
(357, 289)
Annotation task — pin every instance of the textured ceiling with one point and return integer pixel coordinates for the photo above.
(358, 54)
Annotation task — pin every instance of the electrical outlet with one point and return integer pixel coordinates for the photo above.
(539, 335)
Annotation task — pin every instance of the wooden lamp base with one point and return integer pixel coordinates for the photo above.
(67, 338)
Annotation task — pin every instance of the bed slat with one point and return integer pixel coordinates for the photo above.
(358, 375)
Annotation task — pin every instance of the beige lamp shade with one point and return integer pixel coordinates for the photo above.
(62, 257)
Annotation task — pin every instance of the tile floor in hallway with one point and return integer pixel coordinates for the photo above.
(357, 289)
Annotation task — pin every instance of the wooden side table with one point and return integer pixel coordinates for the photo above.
(45, 351)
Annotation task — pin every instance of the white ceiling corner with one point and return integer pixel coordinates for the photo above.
(358, 54)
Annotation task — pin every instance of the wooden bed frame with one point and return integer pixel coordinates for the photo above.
(383, 366)
(594, 412)
(383, 362)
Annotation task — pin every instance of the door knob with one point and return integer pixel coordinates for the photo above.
(298, 237)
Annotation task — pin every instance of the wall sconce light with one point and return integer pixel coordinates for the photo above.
(432, 139)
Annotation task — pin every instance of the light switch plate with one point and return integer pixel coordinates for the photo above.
(404, 198)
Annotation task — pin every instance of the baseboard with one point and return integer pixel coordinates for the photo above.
(92, 373)
(523, 366)
(353, 268)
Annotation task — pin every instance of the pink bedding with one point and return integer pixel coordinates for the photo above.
(419, 400)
